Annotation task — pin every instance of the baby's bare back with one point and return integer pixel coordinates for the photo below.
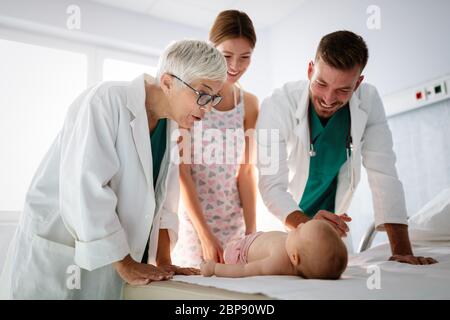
(271, 246)
(266, 243)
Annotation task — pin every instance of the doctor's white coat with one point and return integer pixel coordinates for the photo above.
(92, 200)
(282, 181)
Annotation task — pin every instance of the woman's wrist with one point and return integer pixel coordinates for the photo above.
(205, 235)
(249, 229)
(126, 261)
(163, 262)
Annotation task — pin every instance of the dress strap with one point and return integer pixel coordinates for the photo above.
(242, 95)
(241, 102)
(234, 96)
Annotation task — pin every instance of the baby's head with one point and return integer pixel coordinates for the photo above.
(317, 251)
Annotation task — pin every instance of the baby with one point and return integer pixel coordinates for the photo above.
(313, 250)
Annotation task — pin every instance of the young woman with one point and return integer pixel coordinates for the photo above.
(220, 198)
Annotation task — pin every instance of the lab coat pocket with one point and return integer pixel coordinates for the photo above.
(48, 272)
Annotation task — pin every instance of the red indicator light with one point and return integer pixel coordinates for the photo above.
(418, 95)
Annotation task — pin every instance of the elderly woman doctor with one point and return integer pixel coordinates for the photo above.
(105, 197)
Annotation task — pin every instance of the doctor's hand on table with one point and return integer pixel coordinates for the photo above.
(411, 259)
(136, 273)
(401, 246)
(164, 261)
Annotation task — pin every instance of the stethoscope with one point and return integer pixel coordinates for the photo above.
(348, 143)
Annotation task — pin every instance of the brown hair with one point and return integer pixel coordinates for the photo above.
(343, 50)
(231, 24)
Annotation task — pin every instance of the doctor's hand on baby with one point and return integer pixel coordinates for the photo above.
(337, 221)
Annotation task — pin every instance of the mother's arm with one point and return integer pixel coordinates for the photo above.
(247, 176)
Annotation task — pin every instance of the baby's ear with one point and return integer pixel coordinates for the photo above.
(295, 259)
(300, 225)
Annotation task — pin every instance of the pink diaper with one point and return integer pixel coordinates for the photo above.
(236, 252)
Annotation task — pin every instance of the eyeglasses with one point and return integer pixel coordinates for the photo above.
(202, 98)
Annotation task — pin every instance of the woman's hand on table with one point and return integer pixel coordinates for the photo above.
(136, 273)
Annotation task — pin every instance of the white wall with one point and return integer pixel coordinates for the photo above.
(119, 29)
(412, 45)
(133, 29)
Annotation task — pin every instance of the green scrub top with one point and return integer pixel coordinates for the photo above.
(329, 138)
(158, 143)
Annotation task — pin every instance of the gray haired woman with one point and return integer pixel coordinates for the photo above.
(102, 208)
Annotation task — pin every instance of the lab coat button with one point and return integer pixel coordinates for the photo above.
(147, 216)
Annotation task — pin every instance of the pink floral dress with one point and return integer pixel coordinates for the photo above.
(216, 185)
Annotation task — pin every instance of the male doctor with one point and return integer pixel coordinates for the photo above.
(325, 127)
(102, 207)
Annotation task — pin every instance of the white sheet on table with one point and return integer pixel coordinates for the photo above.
(398, 281)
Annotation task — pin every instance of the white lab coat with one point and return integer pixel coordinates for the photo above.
(282, 190)
(92, 200)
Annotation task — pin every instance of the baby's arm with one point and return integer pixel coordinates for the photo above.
(255, 268)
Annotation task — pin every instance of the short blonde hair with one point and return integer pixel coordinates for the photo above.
(192, 60)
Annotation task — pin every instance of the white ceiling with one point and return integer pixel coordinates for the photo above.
(201, 13)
